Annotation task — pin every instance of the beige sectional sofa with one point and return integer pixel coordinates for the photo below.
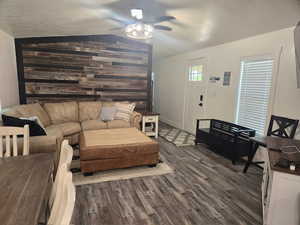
(66, 120)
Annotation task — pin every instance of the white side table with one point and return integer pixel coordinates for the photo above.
(152, 119)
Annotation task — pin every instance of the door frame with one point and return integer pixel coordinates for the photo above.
(188, 63)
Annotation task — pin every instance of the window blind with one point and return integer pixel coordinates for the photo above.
(254, 93)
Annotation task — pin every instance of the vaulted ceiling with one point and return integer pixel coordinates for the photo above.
(200, 23)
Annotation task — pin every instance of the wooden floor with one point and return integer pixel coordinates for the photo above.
(204, 189)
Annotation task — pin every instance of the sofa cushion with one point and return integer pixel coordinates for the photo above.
(118, 124)
(89, 110)
(67, 128)
(109, 104)
(93, 125)
(55, 131)
(36, 109)
(62, 112)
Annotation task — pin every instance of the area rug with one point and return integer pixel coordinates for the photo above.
(177, 137)
(118, 174)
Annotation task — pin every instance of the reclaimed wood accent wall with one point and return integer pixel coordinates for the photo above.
(84, 68)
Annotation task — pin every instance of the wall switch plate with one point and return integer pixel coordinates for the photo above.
(226, 80)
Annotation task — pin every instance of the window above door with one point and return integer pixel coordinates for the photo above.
(196, 72)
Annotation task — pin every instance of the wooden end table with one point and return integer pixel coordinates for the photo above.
(150, 117)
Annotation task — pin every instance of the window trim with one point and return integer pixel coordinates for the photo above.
(189, 71)
(275, 74)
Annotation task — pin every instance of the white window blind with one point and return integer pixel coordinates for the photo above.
(254, 93)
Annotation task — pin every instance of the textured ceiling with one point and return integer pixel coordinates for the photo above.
(200, 23)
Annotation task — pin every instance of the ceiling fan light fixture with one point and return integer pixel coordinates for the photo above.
(139, 31)
(139, 27)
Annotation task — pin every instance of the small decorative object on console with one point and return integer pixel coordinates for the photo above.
(292, 167)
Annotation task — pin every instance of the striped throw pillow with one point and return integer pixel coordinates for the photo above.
(124, 111)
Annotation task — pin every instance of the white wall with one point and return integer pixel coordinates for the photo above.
(9, 94)
(171, 74)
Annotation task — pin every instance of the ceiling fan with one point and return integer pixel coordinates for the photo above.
(139, 28)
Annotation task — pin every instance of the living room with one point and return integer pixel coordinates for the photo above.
(150, 112)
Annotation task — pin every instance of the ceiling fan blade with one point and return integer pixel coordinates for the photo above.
(116, 28)
(160, 27)
(164, 18)
(121, 21)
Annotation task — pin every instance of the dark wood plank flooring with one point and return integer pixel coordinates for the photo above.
(204, 189)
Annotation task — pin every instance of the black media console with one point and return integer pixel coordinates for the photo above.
(228, 139)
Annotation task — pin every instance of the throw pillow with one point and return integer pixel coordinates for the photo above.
(35, 119)
(34, 128)
(124, 111)
(108, 113)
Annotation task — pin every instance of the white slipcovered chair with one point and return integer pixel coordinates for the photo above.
(64, 202)
(13, 132)
(66, 155)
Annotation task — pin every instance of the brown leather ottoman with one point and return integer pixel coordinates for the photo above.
(116, 148)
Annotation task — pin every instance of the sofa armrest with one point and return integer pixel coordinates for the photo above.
(46, 144)
(135, 120)
(43, 144)
(37, 144)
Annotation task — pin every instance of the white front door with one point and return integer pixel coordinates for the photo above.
(195, 94)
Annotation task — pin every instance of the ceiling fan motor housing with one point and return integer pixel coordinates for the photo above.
(139, 31)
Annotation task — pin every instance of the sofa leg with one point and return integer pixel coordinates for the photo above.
(88, 174)
(153, 165)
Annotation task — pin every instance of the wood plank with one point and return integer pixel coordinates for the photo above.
(56, 66)
(83, 65)
(113, 84)
(194, 194)
(24, 181)
(57, 88)
(113, 52)
(58, 74)
(51, 81)
(45, 99)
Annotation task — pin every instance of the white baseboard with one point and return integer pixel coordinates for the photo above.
(170, 122)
